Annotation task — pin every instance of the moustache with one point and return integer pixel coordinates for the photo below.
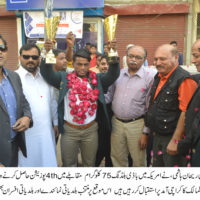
(31, 63)
(133, 62)
(159, 66)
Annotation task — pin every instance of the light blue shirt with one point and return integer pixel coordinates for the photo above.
(7, 94)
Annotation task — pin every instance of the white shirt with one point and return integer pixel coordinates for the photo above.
(40, 139)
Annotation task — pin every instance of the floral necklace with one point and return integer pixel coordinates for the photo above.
(87, 96)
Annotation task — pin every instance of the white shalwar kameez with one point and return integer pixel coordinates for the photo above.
(40, 139)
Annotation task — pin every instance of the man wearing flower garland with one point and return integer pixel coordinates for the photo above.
(81, 99)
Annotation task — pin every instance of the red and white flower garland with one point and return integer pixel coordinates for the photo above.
(87, 96)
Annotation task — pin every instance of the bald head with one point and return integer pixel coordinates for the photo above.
(165, 59)
(196, 54)
(139, 48)
(168, 48)
(196, 45)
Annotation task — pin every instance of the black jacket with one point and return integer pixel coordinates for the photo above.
(163, 112)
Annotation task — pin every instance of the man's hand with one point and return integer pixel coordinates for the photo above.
(143, 141)
(1, 165)
(172, 148)
(56, 132)
(21, 124)
(70, 39)
(48, 45)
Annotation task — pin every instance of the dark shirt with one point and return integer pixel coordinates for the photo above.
(180, 58)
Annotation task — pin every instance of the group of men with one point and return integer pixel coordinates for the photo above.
(28, 101)
(144, 101)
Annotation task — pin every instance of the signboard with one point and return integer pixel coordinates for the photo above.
(70, 21)
(58, 4)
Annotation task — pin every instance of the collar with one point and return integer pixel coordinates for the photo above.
(24, 72)
(168, 75)
(139, 73)
(5, 73)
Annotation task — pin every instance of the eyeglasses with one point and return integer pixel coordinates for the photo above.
(136, 57)
(26, 57)
(3, 48)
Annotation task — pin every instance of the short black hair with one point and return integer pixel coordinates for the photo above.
(98, 55)
(88, 43)
(93, 45)
(174, 42)
(174, 51)
(83, 53)
(56, 52)
(27, 47)
(4, 41)
(104, 56)
(145, 55)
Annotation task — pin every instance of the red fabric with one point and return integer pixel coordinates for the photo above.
(93, 62)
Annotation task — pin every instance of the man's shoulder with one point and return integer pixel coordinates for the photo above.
(123, 71)
(63, 74)
(181, 74)
(9, 71)
(149, 72)
(19, 70)
(183, 71)
(12, 73)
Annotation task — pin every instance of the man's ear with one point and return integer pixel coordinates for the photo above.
(176, 56)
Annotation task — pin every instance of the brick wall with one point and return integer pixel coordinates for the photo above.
(150, 31)
(8, 31)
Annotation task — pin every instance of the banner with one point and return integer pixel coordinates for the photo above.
(58, 4)
(70, 21)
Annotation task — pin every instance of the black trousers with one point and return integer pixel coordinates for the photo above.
(14, 156)
(161, 158)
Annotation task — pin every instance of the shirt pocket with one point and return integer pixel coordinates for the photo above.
(139, 95)
(169, 100)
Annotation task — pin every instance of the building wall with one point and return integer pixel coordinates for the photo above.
(190, 32)
(126, 2)
(150, 32)
(151, 25)
(9, 32)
